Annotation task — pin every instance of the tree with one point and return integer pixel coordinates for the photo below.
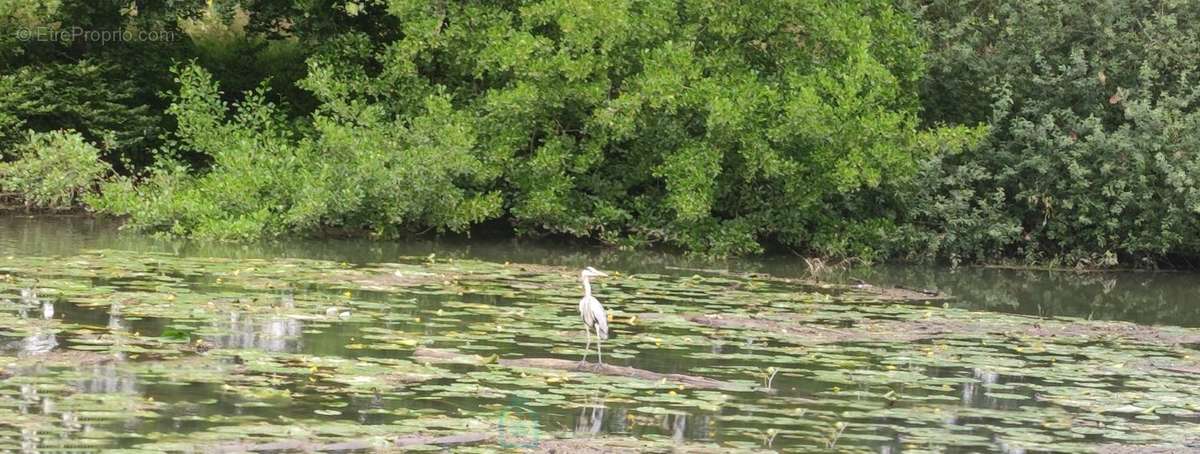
(700, 124)
(1091, 107)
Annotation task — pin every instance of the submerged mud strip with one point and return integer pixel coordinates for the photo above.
(690, 381)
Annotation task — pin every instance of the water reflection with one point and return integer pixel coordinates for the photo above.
(42, 339)
(279, 334)
(591, 420)
(116, 322)
(1142, 297)
(678, 426)
(1167, 298)
(598, 419)
(33, 402)
(973, 394)
(47, 310)
(106, 378)
(41, 342)
(69, 235)
(29, 398)
(1007, 447)
(250, 330)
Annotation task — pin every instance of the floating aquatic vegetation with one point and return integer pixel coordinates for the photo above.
(158, 352)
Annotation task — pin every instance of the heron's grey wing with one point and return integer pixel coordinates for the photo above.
(600, 319)
(584, 312)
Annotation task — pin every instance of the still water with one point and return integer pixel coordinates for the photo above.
(161, 345)
(1171, 298)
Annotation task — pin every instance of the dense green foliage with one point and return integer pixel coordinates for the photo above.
(63, 66)
(693, 124)
(53, 170)
(1092, 154)
(265, 180)
(1035, 129)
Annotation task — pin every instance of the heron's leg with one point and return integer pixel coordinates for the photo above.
(586, 349)
(599, 343)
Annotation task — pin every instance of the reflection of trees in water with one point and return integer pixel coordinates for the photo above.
(71, 235)
(38, 343)
(593, 420)
(32, 402)
(106, 378)
(30, 399)
(974, 394)
(272, 334)
(116, 322)
(41, 339)
(1143, 297)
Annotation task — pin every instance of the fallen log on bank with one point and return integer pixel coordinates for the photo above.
(434, 355)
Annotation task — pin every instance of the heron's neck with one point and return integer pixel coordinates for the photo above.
(587, 286)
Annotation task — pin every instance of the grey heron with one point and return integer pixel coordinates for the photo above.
(593, 315)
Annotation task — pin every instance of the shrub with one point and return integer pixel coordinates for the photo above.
(377, 174)
(96, 98)
(712, 127)
(1092, 152)
(705, 125)
(53, 170)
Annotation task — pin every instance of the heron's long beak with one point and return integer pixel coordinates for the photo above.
(601, 273)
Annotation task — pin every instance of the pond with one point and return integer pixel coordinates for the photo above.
(111, 340)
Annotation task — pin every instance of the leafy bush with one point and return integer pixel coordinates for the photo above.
(242, 60)
(1044, 129)
(53, 170)
(379, 174)
(106, 90)
(91, 97)
(1091, 155)
(704, 125)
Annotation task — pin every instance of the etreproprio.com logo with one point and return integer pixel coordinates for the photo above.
(72, 34)
(517, 425)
